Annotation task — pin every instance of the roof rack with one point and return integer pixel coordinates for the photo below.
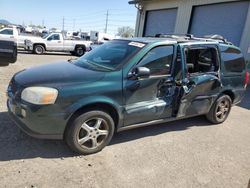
(206, 38)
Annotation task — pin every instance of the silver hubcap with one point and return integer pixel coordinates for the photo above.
(39, 49)
(93, 133)
(222, 109)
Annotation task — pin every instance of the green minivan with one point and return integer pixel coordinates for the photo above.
(128, 83)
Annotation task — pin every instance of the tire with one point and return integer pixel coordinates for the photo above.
(72, 53)
(220, 110)
(79, 51)
(38, 49)
(90, 133)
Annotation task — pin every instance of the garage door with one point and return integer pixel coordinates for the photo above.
(226, 19)
(160, 22)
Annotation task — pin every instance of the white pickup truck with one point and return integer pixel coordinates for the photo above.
(56, 42)
(12, 34)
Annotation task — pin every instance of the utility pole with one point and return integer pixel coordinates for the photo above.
(107, 19)
(74, 24)
(63, 25)
(43, 23)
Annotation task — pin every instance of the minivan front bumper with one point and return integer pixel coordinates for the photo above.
(37, 124)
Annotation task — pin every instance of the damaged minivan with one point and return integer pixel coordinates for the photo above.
(128, 83)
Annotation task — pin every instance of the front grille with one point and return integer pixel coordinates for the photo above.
(14, 89)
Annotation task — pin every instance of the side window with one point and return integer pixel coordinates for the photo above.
(201, 60)
(233, 59)
(7, 32)
(54, 37)
(158, 60)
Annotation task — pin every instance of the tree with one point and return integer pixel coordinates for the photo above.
(126, 31)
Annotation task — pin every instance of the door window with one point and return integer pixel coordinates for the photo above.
(158, 60)
(54, 37)
(7, 32)
(201, 60)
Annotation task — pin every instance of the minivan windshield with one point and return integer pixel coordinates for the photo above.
(110, 55)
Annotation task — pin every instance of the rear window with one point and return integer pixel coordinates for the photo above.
(233, 59)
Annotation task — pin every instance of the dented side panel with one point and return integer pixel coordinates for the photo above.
(199, 93)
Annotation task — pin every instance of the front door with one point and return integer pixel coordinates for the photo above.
(54, 43)
(148, 99)
(202, 84)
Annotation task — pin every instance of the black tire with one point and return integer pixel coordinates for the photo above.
(80, 50)
(85, 137)
(72, 53)
(38, 49)
(220, 110)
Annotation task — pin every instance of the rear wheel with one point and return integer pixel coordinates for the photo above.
(220, 110)
(80, 50)
(38, 49)
(90, 132)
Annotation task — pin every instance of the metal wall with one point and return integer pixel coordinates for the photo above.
(160, 21)
(184, 15)
(226, 19)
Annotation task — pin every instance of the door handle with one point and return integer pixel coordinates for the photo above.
(58, 41)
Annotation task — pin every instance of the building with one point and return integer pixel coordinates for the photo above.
(229, 18)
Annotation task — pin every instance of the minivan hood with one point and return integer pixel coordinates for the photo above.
(57, 73)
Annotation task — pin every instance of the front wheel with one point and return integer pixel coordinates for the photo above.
(90, 132)
(220, 110)
(38, 49)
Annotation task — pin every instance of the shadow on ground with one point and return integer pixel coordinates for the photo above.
(15, 145)
(245, 103)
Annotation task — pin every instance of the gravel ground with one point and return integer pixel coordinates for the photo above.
(186, 153)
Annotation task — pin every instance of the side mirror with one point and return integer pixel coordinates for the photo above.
(8, 52)
(139, 73)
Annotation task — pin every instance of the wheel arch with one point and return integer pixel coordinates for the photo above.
(102, 106)
(80, 45)
(230, 93)
(42, 44)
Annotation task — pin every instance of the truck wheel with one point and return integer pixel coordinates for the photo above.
(38, 49)
(90, 133)
(220, 110)
(79, 51)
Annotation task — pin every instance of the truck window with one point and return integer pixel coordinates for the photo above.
(233, 59)
(7, 32)
(54, 37)
(201, 60)
(158, 60)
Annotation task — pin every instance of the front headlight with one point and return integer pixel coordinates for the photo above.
(39, 95)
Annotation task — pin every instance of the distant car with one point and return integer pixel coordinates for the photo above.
(125, 84)
(56, 42)
(13, 35)
(8, 52)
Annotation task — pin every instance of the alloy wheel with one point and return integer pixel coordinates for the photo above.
(93, 133)
(222, 109)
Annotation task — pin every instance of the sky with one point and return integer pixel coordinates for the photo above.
(78, 14)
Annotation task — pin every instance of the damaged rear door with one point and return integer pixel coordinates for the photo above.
(201, 83)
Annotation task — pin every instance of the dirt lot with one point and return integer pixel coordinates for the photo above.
(186, 153)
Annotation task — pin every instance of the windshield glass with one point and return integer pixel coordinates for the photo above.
(110, 56)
